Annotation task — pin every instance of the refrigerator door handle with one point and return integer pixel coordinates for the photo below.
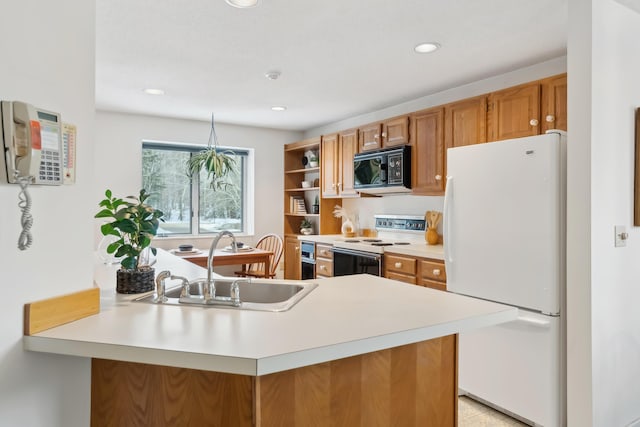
(531, 321)
(446, 223)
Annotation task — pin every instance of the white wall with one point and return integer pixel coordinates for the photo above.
(119, 147)
(615, 289)
(579, 348)
(48, 60)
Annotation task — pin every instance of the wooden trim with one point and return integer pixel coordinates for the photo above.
(636, 210)
(49, 313)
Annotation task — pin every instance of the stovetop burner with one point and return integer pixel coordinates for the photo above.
(352, 241)
(380, 243)
(402, 243)
(372, 240)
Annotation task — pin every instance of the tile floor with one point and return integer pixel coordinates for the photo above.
(474, 414)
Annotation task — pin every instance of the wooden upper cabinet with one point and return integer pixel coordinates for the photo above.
(395, 131)
(348, 147)
(369, 137)
(553, 110)
(389, 133)
(329, 165)
(465, 122)
(514, 112)
(427, 152)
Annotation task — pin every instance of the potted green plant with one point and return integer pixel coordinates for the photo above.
(306, 227)
(134, 223)
(218, 164)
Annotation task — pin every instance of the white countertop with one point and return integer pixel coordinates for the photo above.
(418, 249)
(342, 317)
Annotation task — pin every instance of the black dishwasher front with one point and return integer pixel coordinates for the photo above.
(308, 260)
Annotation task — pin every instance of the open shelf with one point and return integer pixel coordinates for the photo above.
(293, 190)
(304, 170)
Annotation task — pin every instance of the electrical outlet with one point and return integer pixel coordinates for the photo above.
(621, 236)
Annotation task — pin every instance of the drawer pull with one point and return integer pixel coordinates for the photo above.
(533, 122)
(323, 267)
(398, 265)
(436, 271)
(323, 252)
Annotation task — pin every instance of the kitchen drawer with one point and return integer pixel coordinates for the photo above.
(433, 270)
(441, 286)
(401, 277)
(324, 267)
(400, 264)
(324, 251)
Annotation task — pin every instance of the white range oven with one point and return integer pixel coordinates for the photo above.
(366, 255)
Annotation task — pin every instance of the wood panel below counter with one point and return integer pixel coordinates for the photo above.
(410, 385)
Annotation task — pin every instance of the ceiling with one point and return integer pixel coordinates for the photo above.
(337, 58)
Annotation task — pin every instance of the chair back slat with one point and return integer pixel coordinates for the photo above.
(273, 243)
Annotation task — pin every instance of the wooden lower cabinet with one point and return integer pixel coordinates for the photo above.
(324, 260)
(292, 266)
(410, 385)
(416, 271)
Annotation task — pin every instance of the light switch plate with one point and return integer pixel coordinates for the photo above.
(621, 236)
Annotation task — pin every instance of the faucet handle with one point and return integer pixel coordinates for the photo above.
(234, 293)
(160, 287)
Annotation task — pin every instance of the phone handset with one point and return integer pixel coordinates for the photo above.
(25, 146)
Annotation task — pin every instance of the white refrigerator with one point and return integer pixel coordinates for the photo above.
(504, 241)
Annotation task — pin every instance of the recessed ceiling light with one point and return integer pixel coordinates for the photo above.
(426, 47)
(278, 108)
(151, 91)
(243, 4)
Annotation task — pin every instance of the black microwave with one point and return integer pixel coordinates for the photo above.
(383, 171)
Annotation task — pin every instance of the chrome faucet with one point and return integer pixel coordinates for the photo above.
(160, 286)
(209, 291)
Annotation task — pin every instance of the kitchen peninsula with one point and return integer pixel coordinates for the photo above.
(356, 349)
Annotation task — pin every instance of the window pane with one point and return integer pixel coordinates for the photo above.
(222, 209)
(164, 176)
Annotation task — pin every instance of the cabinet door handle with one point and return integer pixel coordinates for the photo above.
(384, 134)
(436, 271)
(438, 177)
(550, 118)
(398, 265)
(297, 248)
(333, 185)
(376, 136)
(533, 122)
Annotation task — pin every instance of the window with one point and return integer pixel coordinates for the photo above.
(190, 205)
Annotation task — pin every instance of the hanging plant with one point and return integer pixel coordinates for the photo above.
(218, 164)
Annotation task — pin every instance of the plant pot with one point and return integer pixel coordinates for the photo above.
(135, 281)
(306, 231)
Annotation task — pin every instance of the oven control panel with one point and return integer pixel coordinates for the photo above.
(400, 223)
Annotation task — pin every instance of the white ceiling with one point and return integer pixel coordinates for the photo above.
(338, 58)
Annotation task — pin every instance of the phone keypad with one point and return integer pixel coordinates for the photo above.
(50, 167)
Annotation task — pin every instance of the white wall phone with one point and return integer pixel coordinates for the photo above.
(32, 140)
(33, 150)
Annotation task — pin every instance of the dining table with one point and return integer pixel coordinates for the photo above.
(243, 256)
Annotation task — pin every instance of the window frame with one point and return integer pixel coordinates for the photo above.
(247, 178)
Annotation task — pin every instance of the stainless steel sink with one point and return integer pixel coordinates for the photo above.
(255, 294)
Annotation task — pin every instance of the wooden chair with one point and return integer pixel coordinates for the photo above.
(269, 242)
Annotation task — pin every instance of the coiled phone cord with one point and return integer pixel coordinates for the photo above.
(24, 203)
